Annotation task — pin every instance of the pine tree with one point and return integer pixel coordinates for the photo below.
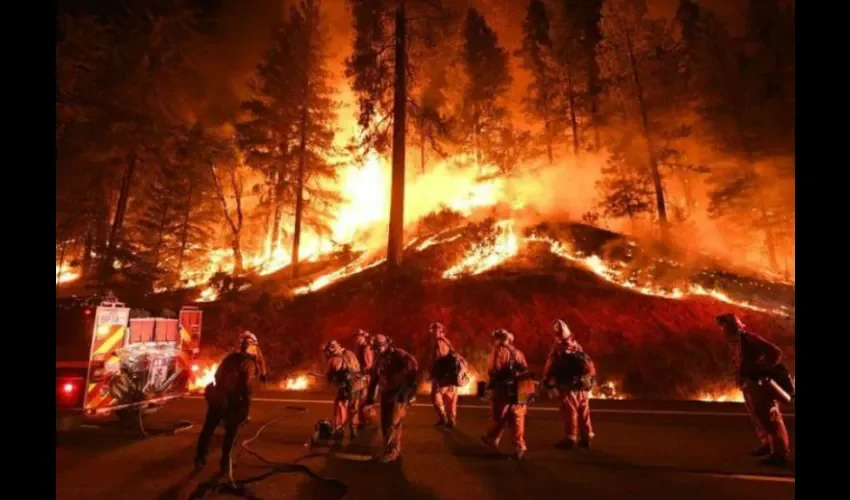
(483, 113)
(537, 55)
(634, 62)
(744, 95)
(315, 126)
(386, 33)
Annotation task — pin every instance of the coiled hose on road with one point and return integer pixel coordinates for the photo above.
(275, 467)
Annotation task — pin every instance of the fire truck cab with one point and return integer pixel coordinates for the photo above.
(131, 364)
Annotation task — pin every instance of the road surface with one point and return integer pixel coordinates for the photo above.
(642, 450)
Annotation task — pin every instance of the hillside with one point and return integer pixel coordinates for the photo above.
(646, 320)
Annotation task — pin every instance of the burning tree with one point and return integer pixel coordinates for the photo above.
(385, 33)
(290, 129)
(119, 98)
(640, 76)
(745, 97)
(483, 113)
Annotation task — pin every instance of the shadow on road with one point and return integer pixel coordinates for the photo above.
(500, 477)
(365, 479)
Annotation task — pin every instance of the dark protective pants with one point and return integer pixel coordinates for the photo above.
(504, 413)
(575, 412)
(761, 404)
(445, 402)
(231, 416)
(346, 411)
(393, 409)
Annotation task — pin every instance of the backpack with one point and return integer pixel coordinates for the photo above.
(451, 370)
(575, 370)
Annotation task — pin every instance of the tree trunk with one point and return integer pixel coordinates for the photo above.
(593, 90)
(395, 243)
(274, 231)
(161, 236)
(422, 146)
(302, 149)
(235, 245)
(118, 222)
(184, 229)
(61, 260)
(573, 121)
(88, 246)
(650, 148)
(299, 191)
(235, 227)
(737, 109)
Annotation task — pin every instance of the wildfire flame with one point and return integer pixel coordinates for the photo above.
(202, 377)
(297, 383)
(597, 266)
(484, 257)
(727, 395)
(65, 276)
(607, 390)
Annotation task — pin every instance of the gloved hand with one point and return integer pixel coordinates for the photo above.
(264, 378)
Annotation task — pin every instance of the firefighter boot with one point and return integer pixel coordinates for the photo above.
(761, 451)
(584, 443)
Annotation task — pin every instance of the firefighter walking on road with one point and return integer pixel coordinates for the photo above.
(366, 358)
(343, 371)
(569, 376)
(506, 365)
(228, 401)
(395, 374)
(757, 362)
(445, 374)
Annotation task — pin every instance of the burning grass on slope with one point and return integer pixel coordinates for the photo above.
(653, 347)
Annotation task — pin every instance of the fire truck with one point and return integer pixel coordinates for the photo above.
(109, 363)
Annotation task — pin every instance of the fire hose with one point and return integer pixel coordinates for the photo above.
(284, 467)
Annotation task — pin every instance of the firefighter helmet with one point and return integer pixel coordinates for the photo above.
(381, 340)
(730, 320)
(248, 337)
(437, 329)
(332, 348)
(361, 333)
(502, 334)
(561, 329)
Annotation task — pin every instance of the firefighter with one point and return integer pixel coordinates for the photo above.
(443, 378)
(754, 358)
(506, 364)
(568, 376)
(366, 358)
(395, 374)
(343, 370)
(229, 401)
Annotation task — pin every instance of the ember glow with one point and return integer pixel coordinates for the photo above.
(486, 256)
(202, 376)
(725, 395)
(612, 275)
(65, 276)
(297, 383)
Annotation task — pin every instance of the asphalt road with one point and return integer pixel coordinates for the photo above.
(642, 450)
